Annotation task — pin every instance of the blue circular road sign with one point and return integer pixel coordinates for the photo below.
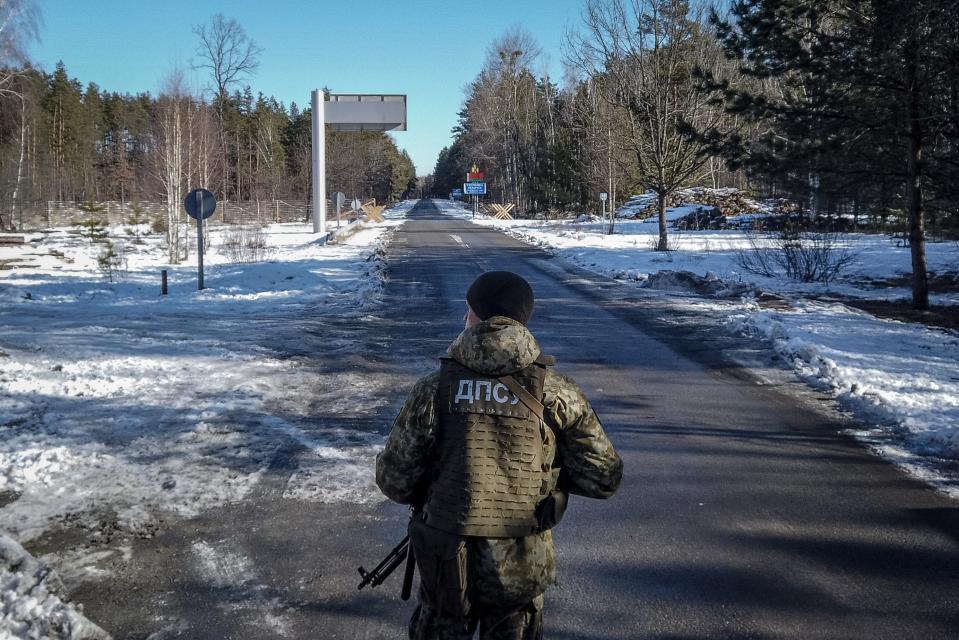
(200, 203)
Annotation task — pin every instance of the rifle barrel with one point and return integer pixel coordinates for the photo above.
(386, 566)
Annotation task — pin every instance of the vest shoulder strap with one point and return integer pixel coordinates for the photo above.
(525, 397)
(545, 360)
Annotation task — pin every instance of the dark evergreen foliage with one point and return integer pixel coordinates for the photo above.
(853, 100)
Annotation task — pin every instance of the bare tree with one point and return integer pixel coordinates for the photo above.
(648, 50)
(502, 116)
(228, 54)
(599, 128)
(19, 23)
(173, 120)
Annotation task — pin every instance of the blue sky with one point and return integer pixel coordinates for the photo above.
(426, 49)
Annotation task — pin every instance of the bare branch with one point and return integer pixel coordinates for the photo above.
(226, 52)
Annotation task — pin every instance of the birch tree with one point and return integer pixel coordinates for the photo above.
(172, 135)
(19, 21)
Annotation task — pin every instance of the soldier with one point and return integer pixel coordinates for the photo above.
(487, 448)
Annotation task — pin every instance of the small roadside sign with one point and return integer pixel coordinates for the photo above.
(604, 196)
(200, 203)
(475, 188)
(457, 192)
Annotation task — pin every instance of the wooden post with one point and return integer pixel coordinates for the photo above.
(163, 288)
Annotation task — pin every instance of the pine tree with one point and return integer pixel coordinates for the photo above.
(857, 89)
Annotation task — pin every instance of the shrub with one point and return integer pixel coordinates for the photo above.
(244, 243)
(136, 219)
(159, 225)
(806, 256)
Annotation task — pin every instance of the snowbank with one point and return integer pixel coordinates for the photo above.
(30, 605)
(902, 378)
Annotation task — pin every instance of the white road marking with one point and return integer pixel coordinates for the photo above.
(459, 240)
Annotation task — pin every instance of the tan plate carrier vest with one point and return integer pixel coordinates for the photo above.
(490, 466)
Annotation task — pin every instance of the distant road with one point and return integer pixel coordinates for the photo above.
(742, 513)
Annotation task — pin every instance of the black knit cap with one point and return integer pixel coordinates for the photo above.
(501, 293)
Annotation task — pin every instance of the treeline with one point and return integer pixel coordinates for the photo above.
(848, 108)
(60, 140)
(611, 127)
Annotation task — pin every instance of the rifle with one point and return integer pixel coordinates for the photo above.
(374, 578)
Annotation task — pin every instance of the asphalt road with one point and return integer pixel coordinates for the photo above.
(743, 513)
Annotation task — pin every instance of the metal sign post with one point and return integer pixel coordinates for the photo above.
(319, 162)
(603, 197)
(199, 249)
(200, 205)
(338, 199)
(475, 186)
(347, 112)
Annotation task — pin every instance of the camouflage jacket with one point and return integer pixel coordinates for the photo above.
(516, 568)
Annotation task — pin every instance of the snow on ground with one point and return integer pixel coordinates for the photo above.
(118, 405)
(627, 254)
(30, 605)
(642, 206)
(902, 379)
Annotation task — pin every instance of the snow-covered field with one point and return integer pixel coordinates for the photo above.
(118, 405)
(902, 379)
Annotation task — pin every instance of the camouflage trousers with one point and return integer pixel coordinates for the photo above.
(457, 597)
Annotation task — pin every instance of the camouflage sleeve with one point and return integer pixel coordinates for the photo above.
(591, 467)
(402, 466)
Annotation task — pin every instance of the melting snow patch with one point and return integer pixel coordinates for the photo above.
(902, 377)
(117, 404)
(225, 569)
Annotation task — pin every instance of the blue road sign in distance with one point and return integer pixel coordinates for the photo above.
(457, 192)
(200, 207)
(475, 188)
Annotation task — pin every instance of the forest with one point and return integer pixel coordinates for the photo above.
(66, 142)
(822, 102)
(847, 109)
